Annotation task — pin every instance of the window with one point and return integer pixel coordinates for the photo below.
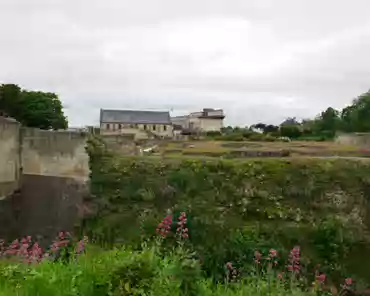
(165, 127)
(120, 126)
(144, 126)
(154, 127)
(108, 126)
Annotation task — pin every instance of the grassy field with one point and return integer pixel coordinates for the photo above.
(258, 149)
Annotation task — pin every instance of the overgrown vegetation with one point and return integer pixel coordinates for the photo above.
(235, 208)
(167, 268)
(147, 272)
(272, 227)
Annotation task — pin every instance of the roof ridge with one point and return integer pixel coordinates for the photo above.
(135, 116)
(135, 110)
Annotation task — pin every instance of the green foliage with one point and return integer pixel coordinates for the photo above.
(32, 108)
(213, 134)
(329, 120)
(356, 117)
(286, 202)
(290, 131)
(126, 272)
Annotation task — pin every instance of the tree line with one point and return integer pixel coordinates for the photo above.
(38, 109)
(44, 110)
(353, 118)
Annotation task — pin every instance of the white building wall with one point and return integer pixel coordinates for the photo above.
(163, 130)
(211, 125)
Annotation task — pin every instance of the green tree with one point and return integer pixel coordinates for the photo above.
(290, 128)
(309, 127)
(270, 129)
(329, 120)
(10, 100)
(356, 117)
(32, 108)
(290, 131)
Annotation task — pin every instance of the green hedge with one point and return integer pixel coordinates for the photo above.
(235, 208)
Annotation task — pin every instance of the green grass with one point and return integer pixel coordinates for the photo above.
(297, 148)
(124, 272)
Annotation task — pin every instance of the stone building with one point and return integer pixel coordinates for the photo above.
(204, 121)
(142, 124)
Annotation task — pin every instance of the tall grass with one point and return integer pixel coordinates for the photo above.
(125, 272)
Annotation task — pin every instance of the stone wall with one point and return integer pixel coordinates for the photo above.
(120, 143)
(43, 176)
(58, 154)
(42, 207)
(356, 139)
(9, 156)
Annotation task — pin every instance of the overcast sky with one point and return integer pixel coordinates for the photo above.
(259, 60)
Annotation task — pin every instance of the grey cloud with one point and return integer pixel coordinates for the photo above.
(260, 60)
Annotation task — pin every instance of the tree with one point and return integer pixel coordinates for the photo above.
(260, 126)
(356, 117)
(329, 120)
(32, 108)
(43, 110)
(290, 121)
(290, 131)
(309, 127)
(10, 99)
(270, 129)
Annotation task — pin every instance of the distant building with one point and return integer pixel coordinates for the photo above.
(141, 123)
(204, 121)
(180, 121)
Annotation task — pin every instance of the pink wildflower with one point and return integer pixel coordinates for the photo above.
(321, 278)
(13, 248)
(81, 245)
(257, 257)
(164, 227)
(182, 230)
(35, 254)
(273, 253)
(348, 281)
(294, 259)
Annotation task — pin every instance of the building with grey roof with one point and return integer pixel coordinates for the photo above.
(141, 123)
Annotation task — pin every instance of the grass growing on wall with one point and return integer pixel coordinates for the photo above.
(234, 208)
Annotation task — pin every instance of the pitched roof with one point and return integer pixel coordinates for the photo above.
(133, 116)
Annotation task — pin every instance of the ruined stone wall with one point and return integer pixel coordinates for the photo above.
(43, 175)
(9, 156)
(356, 139)
(54, 153)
